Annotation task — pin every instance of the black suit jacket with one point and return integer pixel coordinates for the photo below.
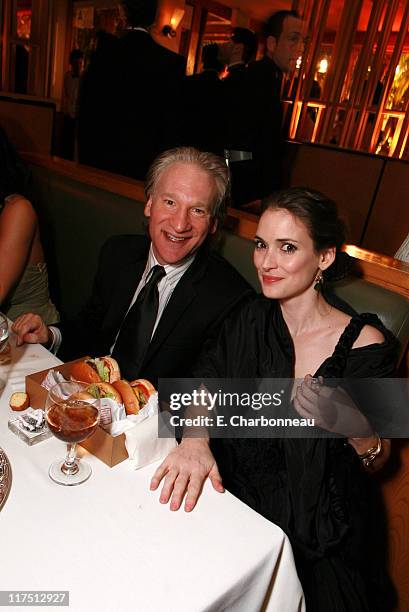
(134, 93)
(202, 112)
(264, 81)
(205, 294)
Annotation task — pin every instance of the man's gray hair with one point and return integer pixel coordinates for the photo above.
(214, 165)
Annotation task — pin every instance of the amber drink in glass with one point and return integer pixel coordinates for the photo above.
(72, 415)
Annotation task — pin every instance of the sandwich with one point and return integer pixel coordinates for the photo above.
(144, 389)
(101, 390)
(104, 378)
(135, 394)
(100, 369)
(130, 399)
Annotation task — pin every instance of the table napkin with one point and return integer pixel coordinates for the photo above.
(142, 442)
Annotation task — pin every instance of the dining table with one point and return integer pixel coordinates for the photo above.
(109, 544)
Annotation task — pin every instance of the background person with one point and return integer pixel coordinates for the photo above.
(70, 103)
(23, 271)
(95, 103)
(237, 126)
(284, 44)
(202, 118)
(130, 103)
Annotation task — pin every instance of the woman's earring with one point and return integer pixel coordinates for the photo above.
(319, 281)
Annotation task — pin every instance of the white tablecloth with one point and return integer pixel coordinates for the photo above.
(114, 547)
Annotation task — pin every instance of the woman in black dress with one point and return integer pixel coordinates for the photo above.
(318, 490)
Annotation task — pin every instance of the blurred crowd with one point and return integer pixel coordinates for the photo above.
(134, 101)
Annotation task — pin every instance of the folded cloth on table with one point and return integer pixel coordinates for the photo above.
(142, 441)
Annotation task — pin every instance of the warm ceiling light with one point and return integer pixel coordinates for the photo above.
(177, 16)
(298, 63)
(323, 66)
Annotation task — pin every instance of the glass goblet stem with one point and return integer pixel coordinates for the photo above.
(70, 467)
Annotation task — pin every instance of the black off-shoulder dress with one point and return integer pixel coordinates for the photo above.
(314, 489)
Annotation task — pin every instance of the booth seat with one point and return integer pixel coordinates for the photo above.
(79, 217)
(76, 219)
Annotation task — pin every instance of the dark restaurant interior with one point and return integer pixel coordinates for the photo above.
(345, 122)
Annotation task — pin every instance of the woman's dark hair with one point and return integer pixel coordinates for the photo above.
(14, 173)
(320, 215)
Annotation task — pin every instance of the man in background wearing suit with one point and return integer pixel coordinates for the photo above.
(186, 191)
(202, 112)
(284, 44)
(133, 92)
(237, 123)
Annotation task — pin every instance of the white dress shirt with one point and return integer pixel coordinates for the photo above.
(166, 285)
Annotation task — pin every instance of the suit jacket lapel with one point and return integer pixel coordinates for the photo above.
(180, 300)
(129, 278)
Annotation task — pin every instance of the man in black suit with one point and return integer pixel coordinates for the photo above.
(202, 116)
(237, 123)
(186, 190)
(284, 44)
(136, 94)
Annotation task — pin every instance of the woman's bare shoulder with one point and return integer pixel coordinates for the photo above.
(369, 335)
(18, 220)
(17, 207)
(17, 200)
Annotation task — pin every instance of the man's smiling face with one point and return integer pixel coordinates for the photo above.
(180, 212)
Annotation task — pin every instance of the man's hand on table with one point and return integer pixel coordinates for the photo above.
(185, 469)
(31, 329)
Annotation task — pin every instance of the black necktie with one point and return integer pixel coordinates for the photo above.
(136, 330)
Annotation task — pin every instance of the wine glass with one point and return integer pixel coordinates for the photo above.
(72, 415)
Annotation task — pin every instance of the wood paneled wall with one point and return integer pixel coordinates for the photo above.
(388, 224)
(28, 123)
(372, 192)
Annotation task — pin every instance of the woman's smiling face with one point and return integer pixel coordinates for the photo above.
(284, 255)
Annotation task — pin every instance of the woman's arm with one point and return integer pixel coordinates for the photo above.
(371, 335)
(362, 445)
(18, 224)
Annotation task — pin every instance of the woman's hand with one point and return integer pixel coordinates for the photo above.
(185, 469)
(334, 410)
(331, 408)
